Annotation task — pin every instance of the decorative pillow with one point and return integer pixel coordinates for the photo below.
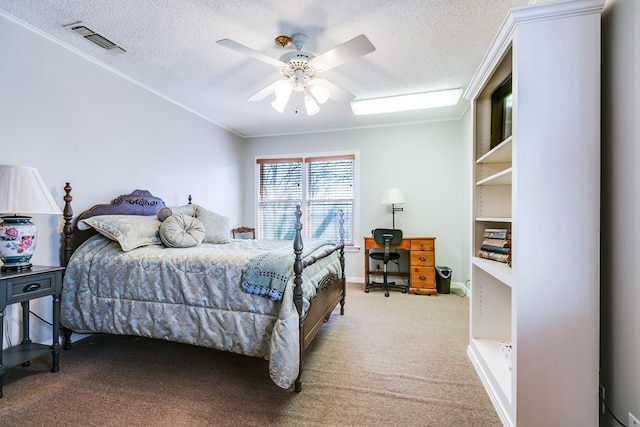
(181, 231)
(166, 212)
(131, 231)
(216, 226)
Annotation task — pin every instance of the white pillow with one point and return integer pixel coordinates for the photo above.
(216, 226)
(181, 231)
(166, 212)
(131, 231)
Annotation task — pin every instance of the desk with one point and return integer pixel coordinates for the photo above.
(422, 255)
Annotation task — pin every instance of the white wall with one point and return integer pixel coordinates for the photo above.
(426, 161)
(78, 122)
(620, 287)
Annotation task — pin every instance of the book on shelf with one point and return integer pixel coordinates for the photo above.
(494, 256)
(497, 233)
(495, 249)
(498, 243)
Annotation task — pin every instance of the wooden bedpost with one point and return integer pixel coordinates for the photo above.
(67, 230)
(297, 265)
(343, 278)
(297, 292)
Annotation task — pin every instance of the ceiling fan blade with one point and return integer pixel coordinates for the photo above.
(345, 52)
(250, 52)
(336, 92)
(259, 96)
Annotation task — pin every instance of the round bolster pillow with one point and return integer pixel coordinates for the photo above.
(181, 231)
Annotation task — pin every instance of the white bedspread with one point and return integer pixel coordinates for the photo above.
(190, 295)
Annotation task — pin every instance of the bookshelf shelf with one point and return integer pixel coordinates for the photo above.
(493, 219)
(527, 304)
(500, 178)
(499, 270)
(501, 153)
(491, 361)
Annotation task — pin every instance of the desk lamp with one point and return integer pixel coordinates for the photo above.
(22, 191)
(393, 196)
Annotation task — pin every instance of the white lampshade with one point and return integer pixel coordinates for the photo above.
(311, 105)
(279, 104)
(22, 191)
(283, 92)
(319, 92)
(392, 196)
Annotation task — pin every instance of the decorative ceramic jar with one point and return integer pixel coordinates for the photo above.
(17, 242)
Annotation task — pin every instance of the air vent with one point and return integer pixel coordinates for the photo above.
(94, 37)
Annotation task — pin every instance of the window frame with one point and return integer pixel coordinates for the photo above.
(304, 158)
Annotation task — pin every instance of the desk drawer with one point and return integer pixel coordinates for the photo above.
(29, 287)
(422, 245)
(423, 277)
(422, 259)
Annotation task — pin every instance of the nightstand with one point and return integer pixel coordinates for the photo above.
(22, 287)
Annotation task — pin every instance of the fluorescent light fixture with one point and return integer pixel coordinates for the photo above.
(417, 101)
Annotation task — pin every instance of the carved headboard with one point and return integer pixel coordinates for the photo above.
(138, 202)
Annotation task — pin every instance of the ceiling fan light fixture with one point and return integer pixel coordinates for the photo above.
(283, 92)
(310, 104)
(319, 92)
(299, 81)
(300, 69)
(279, 104)
(417, 101)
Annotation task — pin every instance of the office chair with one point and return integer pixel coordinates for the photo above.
(386, 237)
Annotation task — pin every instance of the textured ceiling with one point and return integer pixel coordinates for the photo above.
(421, 45)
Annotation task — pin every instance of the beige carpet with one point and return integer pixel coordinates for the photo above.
(397, 361)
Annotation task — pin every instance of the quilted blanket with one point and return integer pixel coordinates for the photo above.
(267, 274)
(190, 295)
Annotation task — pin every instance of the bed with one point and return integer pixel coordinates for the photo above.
(261, 298)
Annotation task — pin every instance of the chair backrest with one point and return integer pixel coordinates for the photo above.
(239, 231)
(381, 235)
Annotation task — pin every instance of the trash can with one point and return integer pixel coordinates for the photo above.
(443, 279)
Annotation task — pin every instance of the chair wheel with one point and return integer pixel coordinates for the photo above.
(366, 290)
(404, 291)
(386, 294)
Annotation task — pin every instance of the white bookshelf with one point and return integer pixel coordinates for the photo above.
(542, 183)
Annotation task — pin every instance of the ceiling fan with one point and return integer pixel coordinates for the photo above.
(300, 70)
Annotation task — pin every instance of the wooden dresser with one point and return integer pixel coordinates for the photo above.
(422, 256)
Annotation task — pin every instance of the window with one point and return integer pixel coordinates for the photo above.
(322, 186)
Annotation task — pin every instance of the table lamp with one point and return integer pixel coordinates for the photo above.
(393, 196)
(22, 191)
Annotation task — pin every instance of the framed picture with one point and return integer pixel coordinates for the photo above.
(501, 109)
